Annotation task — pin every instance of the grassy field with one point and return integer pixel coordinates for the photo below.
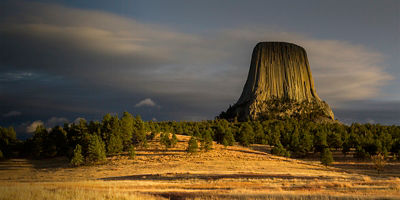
(223, 173)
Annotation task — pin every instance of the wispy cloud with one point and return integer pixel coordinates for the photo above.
(200, 72)
(32, 127)
(48, 124)
(146, 102)
(54, 121)
(78, 119)
(12, 113)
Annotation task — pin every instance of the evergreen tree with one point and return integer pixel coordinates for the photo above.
(206, 142)
(174, 140)
(77, 158)
(131, 152)
(96, 149)
(58, 142)
(196, 132)
(326, 157)
(306, 142)
(229, 140)
(8, 141)
(334, 140)
(39, 141)
(275, 137)
(114, 145)
(295, 142)
(192, 145)
(246, 134)
(259, 133)
(139, 132)
(165, 141)
(280, 150)
(225, 142)
(126, 129)
(320, 142)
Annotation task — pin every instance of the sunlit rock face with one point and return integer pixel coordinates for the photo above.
(279, 85)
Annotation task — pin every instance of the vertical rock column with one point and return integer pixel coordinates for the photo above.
(278, 70)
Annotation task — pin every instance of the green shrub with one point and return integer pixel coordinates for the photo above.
(379, 162)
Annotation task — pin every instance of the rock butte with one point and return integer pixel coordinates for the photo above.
(279, 73)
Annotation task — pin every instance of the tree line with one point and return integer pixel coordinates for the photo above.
(90, 142)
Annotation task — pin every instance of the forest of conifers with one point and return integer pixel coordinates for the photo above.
(95, 140)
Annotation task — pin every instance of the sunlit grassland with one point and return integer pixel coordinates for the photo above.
(222, 173)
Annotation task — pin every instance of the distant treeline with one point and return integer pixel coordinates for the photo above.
(95, 140)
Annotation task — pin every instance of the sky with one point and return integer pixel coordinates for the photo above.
(188, 60)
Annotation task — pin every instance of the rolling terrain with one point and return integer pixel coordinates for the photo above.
(234, 172)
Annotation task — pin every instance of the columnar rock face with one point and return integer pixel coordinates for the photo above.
(279, 85)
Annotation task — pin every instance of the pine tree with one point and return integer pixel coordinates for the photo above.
(259, 135)
(126, 129)
(96, 150)
(225, 142)
(39, 141)
(246, 134)
(139, 132)
(326, 157)
(220, 133)
(132, 152)
(165, 141)
(295, 142)
(77, 158)
(228, 138)
(279, 150)
(192, 145)
(320, 141)
(174, 140)
(306, 143)
(206, 142)
(115, 145)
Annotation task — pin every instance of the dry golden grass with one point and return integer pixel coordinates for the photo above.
(24, 191)
(223, 173)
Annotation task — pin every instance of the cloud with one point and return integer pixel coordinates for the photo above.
(369, 111)
(54, 121)
(342, 71)
(49, 124)
(78, 119)
(146, 102)
(32, 127)
(202, 73)
(12, 113)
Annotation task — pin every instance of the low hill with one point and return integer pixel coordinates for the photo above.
(222, 173)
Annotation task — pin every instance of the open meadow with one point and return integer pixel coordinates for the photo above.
(223, 173)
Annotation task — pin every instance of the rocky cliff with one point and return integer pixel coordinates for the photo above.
(279, 85)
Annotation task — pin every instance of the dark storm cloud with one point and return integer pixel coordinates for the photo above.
(72, 62)
(383, 112)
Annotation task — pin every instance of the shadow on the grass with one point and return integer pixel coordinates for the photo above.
(172, 177)
(282, 196)
(51, 163)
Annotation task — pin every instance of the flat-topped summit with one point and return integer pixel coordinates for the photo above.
(279, 84)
